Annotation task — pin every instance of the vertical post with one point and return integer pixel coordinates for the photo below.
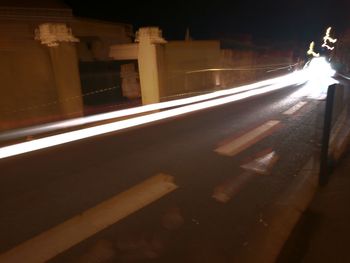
(324, 166)
(149, 60)
(60, 42)
(66, 72)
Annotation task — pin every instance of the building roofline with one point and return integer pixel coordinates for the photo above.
(31, 13)
(88, 19)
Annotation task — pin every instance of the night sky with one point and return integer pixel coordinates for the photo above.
(297, 21)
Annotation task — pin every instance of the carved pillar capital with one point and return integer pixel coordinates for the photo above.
(51, 34)
(150, 34)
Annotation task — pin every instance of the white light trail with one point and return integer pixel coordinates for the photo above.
(320, 75)
(267, 67)
(319, 68)
(67, 137)
(30, 131)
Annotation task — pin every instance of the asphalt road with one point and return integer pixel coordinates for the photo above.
(42, 189)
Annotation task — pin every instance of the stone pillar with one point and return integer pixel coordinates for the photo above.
(60, 41)
(149, 59)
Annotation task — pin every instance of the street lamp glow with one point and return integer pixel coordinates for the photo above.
(319, 68)
(327, 39)
(311, 50)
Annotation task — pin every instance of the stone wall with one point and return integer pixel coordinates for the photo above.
(187, 64)
(28, 94)
(41, 83)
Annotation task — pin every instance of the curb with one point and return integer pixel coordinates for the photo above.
(281, 218)
(342, 140)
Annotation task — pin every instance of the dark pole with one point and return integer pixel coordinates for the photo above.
(323, 177)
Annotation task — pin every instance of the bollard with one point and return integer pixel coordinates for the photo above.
(324, 160)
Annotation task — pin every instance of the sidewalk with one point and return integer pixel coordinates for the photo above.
(323, 232)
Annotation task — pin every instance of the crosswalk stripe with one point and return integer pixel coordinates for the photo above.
(62, 237)
(295, 108)
(227, 189)
(243, 142)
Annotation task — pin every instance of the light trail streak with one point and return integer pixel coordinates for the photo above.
(72, 136)
(319, 68)
(267, 67)
(30, 131)
(320, 74)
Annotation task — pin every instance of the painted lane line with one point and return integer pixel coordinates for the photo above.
(295, 108)
(263, 164)
(62, 237)
(243, 142)
(226, 190)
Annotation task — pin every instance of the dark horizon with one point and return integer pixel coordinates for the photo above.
(268, 20)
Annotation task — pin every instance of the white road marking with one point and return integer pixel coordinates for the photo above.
(243, 142)
(230, 187)
(295, 108)
(263, 164)
(62, 237)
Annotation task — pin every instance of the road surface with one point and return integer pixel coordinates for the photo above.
(216, 203)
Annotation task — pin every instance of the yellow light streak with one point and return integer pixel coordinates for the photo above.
(327, 39)
(311, 50)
